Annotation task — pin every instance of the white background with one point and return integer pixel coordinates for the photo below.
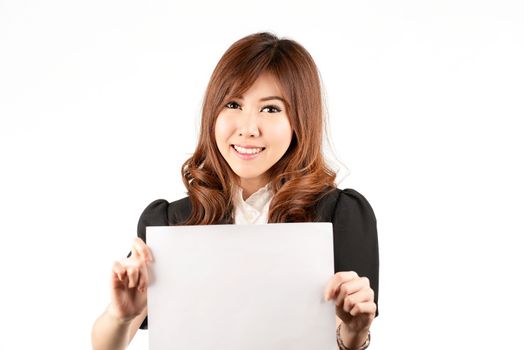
(99, 107)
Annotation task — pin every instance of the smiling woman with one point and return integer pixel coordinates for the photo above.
(264, 92)
(259, 160)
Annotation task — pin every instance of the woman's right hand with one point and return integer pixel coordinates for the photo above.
(129, 283)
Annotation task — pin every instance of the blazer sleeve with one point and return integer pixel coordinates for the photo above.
(355, 238)
(155, 214)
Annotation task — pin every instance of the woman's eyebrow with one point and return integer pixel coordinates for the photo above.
(268, 98)
(272, 98)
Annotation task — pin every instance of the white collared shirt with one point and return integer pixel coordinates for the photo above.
(255, 209)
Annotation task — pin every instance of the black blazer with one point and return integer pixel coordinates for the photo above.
(355, 241)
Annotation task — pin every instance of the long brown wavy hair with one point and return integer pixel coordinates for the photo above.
(301, 177)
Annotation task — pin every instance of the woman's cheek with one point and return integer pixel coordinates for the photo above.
(223, 129)
(281, 133)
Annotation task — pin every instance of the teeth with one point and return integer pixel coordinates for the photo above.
(247, 150)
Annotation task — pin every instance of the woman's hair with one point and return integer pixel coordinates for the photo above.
(301, 176)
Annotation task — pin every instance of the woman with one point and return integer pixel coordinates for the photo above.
(258, 160)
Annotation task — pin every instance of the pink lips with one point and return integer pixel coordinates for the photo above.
(247, 156)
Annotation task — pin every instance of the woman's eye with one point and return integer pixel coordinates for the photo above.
(232, 105)
(271, 109)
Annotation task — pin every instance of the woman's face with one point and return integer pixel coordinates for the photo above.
(253, 132)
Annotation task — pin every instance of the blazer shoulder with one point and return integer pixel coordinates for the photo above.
(179, 211)
(162, 213)
(352, 200)
(337, 200)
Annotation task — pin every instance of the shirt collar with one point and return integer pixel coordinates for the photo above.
(257, 200)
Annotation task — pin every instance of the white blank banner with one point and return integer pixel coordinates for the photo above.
(241, 287)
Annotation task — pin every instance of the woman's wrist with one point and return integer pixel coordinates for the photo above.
(352, 340)
(113, 315)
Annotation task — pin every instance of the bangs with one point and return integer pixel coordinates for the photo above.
(241, 82)
(244, 66)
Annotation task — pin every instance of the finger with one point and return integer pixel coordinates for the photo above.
(118, 270)
(335, 282)
(134, 252)
(143, 279)
(362, 296)
(364, 308)
(351, 287)
(118, 276)
(133, 275)
(141, 249)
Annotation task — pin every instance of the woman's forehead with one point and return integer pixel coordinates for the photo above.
(266, 82)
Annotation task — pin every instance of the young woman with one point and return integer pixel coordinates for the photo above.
(258, 160)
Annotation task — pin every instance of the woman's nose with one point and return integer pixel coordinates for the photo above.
(248, 124)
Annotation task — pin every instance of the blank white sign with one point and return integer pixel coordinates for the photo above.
(237, 287)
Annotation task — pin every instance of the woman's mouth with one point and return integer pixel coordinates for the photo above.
(247, 152)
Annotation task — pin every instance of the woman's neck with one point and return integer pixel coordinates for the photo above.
(250, 186)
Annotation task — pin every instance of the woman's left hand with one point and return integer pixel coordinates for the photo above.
(354, 300)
